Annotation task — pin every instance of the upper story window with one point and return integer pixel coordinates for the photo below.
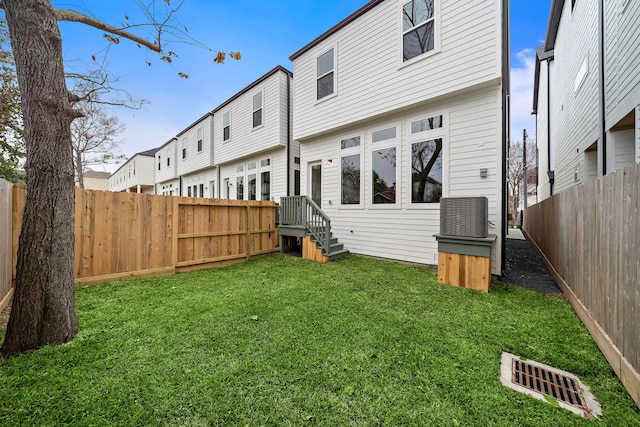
(159, 162)
(199, 139)
(184, 148)
(226, 126)
(168, 158)
(257, 110)
(418, 28)
(325, 74)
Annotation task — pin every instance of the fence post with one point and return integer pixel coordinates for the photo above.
(248, 243)
(175, 221)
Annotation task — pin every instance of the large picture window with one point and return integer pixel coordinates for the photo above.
(325, 74)
(240, 188)
(418, 28)
(265, 185)
(426, 171)
(351, 179)
(251, 182)
(384, 176)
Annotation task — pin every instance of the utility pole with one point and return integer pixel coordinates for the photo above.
(524, 163)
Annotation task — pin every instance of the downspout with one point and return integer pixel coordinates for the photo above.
(506, 85)
(550, 173)
(603, 118)
(288, 135)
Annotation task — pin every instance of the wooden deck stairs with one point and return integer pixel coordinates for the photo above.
(301, 218)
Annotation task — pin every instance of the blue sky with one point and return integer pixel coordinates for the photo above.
(266, 33)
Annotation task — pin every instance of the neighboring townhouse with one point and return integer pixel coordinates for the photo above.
(95, 180)
(194, 159)
(254, 151)
(398, 105)
(136, 175)
(167, 180)
(587, 92)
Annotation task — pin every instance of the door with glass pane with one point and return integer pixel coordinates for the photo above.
(315, 182)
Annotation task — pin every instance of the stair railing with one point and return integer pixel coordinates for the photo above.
(302, 210)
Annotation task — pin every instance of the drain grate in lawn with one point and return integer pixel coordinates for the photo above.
(544, 382)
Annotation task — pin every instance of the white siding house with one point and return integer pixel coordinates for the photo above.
(253, 146)
(167, 179)
(587, 92)
(136, 175)
(398, 105)
(194, 159)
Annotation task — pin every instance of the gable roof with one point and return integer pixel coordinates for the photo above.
(554, 23)
(346, 21)
(251, 86)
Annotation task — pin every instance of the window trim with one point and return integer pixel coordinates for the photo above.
(261, 109)
(226, 114)
(412, 138)
(350, 151)
(184, 148)
(200, 138)
(334, 70)
(436, 36)
(383, 145)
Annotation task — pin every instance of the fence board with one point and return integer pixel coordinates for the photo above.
(590, 237)
(121, 235)
(6, 242)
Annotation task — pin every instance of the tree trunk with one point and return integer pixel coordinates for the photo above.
(43, 306)
(78, 166)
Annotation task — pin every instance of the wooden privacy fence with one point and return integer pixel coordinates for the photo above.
(589, 236)
(5, 243)
(120, 235)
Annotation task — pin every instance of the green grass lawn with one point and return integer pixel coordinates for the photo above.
(283, 341)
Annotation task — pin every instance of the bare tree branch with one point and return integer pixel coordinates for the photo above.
(73, 16)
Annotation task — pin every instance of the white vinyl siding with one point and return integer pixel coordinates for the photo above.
(471, 135)
(574, 93)
(247, 140)
(166, 172)
(469, 55)
(195, 160)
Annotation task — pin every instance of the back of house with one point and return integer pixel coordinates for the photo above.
(400, 104)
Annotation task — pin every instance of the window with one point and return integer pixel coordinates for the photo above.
(134, 168)
(426, 171)
(257, 110)
(199, 139)
(168, 157)
(351, 179)
(296, 160)
(201, 190)
(418, 28)
(350, 169)
(265, 185)
(226, 126)
(159, 162)
(384, 176)
(251, 181)
(195, 191)
(265, 162)
(184, 148)
(189, 191)
(296, 182)
(251, 166)
(384, 134)
(325, 78)
(350, 142)
(240, 187)
(424, 125)
(240, 168)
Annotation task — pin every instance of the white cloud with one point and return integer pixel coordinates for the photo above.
(522, 76)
